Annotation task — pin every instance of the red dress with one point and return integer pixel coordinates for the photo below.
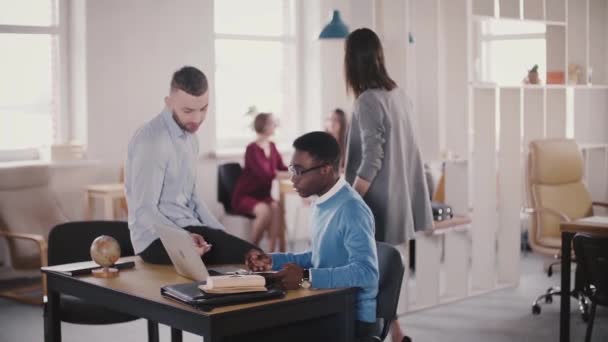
(255, 182)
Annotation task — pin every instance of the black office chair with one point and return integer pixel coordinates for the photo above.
(227, 176)
(391, 269)
(592, 259)
(71, 242)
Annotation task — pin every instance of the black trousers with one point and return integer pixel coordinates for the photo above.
(226, 249)
(364, 331)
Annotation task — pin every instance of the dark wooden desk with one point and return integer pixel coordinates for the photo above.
(568, 230)
(321, 315)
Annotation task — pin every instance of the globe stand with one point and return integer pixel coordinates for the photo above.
(106, 272)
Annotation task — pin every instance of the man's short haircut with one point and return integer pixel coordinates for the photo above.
(321, 146)
(190, 80)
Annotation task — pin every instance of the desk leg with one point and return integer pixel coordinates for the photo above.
(152, 331)
(176, 335)
(564, 315)
(52, 322)
(346, 320)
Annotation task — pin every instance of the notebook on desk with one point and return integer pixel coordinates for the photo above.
(86, 267)
(190, 294)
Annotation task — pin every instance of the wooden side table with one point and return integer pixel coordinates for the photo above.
(109, 193)
(285, 187)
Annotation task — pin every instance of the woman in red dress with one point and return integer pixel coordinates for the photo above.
(252, 192)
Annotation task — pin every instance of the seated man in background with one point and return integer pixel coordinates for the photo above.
(343, 250)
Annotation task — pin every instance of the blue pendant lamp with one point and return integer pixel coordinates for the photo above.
(336, 29)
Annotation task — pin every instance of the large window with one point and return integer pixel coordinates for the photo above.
(255, 66)
(29, 73)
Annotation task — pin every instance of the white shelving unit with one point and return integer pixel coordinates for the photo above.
(510, 9)
(509, 185)
(489, 125)
(534, 9)
(597, 42)
(504, 119)
(556, 113)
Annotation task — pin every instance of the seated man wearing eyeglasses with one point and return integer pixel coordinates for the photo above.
(343, 251)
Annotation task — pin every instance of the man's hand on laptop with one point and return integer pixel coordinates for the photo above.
(202, 246)
(258, 261)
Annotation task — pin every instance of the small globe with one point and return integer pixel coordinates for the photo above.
(105, 250)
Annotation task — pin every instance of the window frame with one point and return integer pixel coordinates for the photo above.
(60, 76)
(289, 124)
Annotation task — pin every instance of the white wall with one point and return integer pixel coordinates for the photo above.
(325, 85)
(132, 49)
(123, 55)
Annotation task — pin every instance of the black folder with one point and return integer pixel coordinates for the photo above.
(190, 294)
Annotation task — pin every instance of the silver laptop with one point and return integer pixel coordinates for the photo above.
(182, 251)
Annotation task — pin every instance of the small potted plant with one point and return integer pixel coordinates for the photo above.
(533, 76)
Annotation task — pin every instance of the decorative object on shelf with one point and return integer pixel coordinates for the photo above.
(336, 29)
(105, 251)
(574, 73)
(532, 76)
(410, 38)
(555, 77)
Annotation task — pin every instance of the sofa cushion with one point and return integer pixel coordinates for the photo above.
(19, 177)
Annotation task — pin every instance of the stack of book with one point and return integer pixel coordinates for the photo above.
(236, 283)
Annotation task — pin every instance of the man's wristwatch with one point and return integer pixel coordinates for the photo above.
(305, 282)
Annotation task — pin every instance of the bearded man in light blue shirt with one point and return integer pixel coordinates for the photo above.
(161, 177)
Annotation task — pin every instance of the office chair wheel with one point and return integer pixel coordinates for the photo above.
(536, 309)
(583, 307)
(549, 299)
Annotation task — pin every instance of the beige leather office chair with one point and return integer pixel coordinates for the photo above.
(556, 193)
(28, 211)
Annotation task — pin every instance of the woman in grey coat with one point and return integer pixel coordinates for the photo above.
(383, 160)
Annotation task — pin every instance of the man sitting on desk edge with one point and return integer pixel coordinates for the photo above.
(343, 251)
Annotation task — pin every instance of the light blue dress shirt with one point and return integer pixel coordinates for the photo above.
(160, 181)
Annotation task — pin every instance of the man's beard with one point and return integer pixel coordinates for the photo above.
(190, 128)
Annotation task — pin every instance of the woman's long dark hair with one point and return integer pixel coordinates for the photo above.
(364, 63)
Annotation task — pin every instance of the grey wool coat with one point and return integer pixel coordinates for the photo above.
(382, 149)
